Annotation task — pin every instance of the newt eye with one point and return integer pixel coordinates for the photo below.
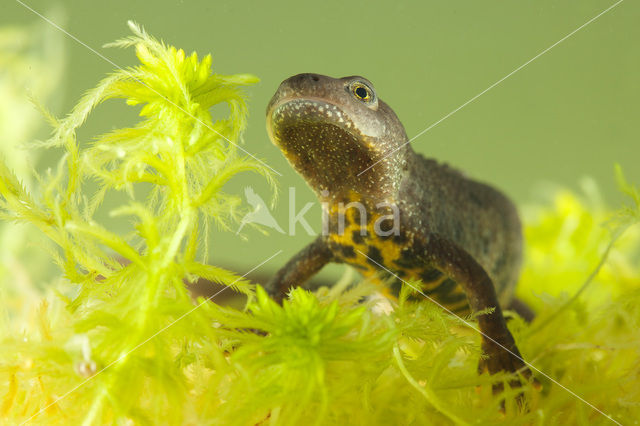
(362, 92)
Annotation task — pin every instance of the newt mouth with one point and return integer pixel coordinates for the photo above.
(312, 114)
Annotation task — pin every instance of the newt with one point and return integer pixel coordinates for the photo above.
(389, 209)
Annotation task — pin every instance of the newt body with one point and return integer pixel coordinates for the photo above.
(389, 209)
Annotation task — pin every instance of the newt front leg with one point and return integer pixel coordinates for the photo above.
(299, 269)
(497, 342)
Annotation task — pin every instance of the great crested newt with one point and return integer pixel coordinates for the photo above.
(390, 209)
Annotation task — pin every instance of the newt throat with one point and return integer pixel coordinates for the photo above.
(315, 137)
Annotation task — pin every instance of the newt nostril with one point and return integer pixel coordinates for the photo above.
(315, 78)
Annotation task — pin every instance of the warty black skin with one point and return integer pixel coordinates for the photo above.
(459, 235)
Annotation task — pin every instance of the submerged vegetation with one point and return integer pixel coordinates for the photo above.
(119, 338)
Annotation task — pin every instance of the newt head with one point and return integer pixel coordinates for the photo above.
(332, 129)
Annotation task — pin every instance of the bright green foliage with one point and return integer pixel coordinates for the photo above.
(31, 66)
(566, 239)
(31, 60)
(131, 285)
(332, 357)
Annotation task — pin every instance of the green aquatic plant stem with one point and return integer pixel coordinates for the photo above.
(109, 239)
(623, 219)
(557, 314)
(425, 390)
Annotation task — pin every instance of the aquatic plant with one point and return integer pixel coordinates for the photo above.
(130, 284)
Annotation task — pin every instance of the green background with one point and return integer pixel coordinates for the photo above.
(571, 113)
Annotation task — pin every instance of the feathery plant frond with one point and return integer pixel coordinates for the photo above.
(629, 214)
(131, 285)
